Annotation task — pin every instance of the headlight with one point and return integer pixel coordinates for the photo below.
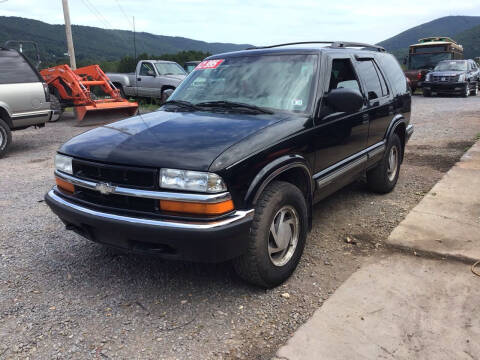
(191, 181)
(461, 78)
(63, 163)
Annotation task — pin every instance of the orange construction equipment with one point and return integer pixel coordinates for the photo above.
(73, 88)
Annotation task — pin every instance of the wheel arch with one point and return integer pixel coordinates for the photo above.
(5, 116)
(290, 168)
(398, 126)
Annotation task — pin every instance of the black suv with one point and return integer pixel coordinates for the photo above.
(453, 77)
(230, 167)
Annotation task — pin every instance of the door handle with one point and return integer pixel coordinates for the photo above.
(365, 119)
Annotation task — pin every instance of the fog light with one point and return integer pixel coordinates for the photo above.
(66, 186)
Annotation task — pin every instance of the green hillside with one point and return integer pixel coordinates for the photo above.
(449, 26)
(470, 39)
(99, 45)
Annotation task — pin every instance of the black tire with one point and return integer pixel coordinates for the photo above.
(5, 137)
(256, 266)
(380, 179)
(122, 92)
(166, 94)
(427, 93)
(56, 106)
(474, 92)
(413, 89)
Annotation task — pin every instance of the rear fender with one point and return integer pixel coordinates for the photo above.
(5, 114)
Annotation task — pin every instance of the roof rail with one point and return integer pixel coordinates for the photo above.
(334, 44)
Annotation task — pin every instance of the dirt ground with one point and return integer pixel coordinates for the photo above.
(64, 297)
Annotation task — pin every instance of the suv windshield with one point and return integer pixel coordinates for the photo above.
(169, 69)
(427, 61)
(278, 82)
(451, 66)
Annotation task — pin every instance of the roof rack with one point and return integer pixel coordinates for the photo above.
(334, 44)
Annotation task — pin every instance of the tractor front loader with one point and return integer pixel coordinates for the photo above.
(87, 89)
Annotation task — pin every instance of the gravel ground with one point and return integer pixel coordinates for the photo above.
(64, 297)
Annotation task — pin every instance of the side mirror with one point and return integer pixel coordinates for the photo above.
(151, 73)
(345, 100)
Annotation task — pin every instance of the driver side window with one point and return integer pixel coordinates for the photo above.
(147, 69)
(343, 75)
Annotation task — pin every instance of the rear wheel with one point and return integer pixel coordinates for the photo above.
(56, 107)
(277, 236)
(5, 137)
(383, 178)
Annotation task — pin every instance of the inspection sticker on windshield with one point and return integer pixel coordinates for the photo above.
(297, 102)
(209, 64)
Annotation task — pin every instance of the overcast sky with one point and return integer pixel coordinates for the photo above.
(247, 21)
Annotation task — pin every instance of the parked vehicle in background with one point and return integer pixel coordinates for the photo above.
(151, 79)
(453, 77)
(230, 167)
(190, 66)
(24, 96)
(424, 55)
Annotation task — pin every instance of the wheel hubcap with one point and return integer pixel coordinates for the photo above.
(392, 163)
(283, 237)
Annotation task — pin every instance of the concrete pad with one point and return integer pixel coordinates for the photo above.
(402, 307)
(447, 220)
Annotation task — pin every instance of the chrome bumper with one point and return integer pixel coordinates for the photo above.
(235, 217)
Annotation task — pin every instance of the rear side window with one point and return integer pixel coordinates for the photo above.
(15, 69)
(394, 73)
(373, 80)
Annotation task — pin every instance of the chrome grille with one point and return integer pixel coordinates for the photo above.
(447, 79)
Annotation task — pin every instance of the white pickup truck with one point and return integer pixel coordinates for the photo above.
(152, 78)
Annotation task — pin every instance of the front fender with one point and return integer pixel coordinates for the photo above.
(274, 169)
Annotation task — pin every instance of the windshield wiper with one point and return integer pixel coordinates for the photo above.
(182, 103)
(233, 105)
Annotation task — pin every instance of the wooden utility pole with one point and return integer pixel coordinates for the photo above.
(68, 32)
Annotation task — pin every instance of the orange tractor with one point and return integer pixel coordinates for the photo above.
(87, 89)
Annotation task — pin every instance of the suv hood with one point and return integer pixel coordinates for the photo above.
(176, 77)
(190, 140)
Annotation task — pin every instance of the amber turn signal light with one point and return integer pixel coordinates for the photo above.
(197, 208)
(66, 186)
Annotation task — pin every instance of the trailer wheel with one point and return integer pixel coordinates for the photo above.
(56, 107)
(5, 137)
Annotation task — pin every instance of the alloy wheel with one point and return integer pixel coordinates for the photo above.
(283, 237)
(392, 167)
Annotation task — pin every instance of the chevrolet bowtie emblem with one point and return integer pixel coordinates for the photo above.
(105, 188)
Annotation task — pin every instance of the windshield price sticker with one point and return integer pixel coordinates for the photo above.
(209, 64)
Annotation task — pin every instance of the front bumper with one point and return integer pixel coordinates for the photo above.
(445, 87)
(202, 241)
(408, 132)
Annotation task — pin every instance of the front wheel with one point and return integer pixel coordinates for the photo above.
(466, 91)
(383, 178)
(5, 137)
(474, 92)
(277, 236)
